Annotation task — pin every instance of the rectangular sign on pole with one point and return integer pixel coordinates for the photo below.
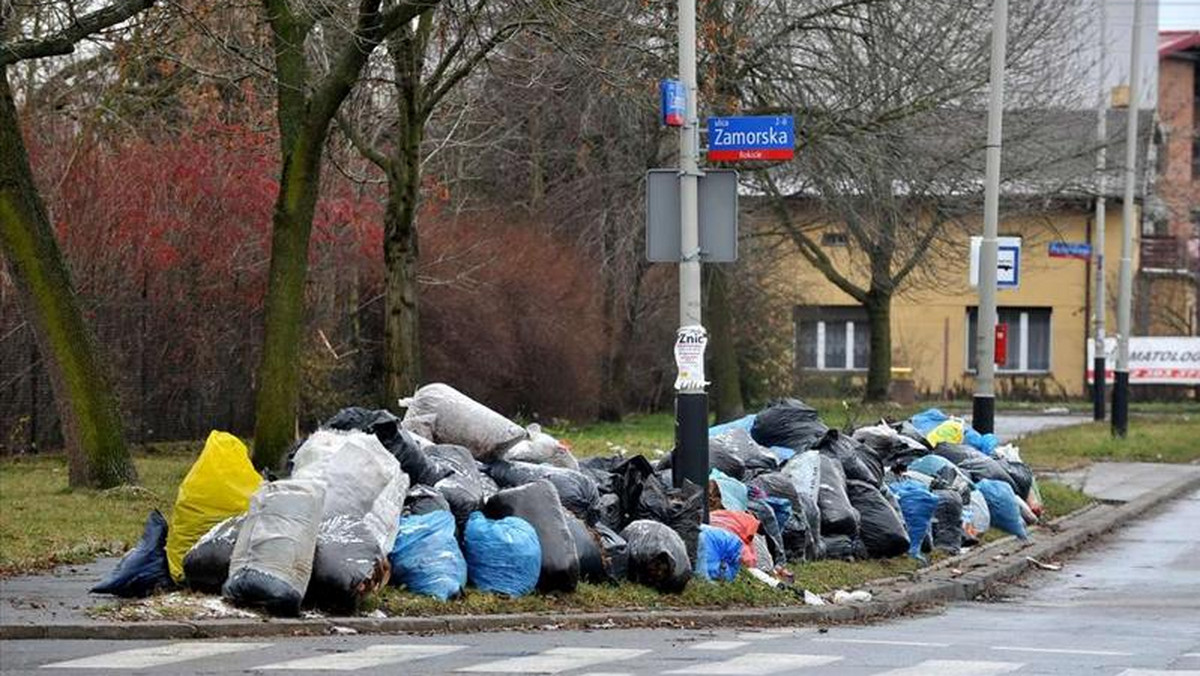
(1008, 262)
(1080, 250)
(718, 206)
(770, 137)
(1160, 360)
(674, 102)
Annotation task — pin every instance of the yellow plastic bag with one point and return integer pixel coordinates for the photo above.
(950, 431)
(218, 486)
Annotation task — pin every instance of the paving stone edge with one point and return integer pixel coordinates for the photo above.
(965, 577)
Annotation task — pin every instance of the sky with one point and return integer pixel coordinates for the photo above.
(1178, 14)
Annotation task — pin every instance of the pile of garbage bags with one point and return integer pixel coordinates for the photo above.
(455, 495)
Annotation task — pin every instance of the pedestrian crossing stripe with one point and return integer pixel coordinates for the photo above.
(1158, 672)
(555, 660)
(371, 656)
(955, 668)
(754, 664)
(156, 656)
(720, 645)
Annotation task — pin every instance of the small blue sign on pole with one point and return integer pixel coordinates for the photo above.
(1080, 250)
(770, 137)
(674, 102)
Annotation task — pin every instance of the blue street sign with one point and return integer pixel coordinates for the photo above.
(674, 102)
(1080, 250)
(751, 138)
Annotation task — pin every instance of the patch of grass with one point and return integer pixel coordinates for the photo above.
(636, 434)
(1151, 439)
(1059, 499)
(44, 523)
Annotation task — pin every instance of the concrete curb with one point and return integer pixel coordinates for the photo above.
(965, 577)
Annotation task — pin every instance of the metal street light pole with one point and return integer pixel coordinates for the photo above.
(1120, 414)
(984, 408)
(1099, 306)
(691, 401)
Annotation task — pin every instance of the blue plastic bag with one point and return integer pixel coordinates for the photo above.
(782, 508)
(503, 555)
(783, 453)
(930, 464)
(917, 504)
(426, 558)
(745, 423)
(928, 419)
(143, 570)
(718, 554)
(734, 493)
(985, 443)
(1002, 505)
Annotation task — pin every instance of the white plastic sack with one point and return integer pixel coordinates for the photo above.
(272, 559)
(541, 448)
(362, 480)
(804, 470)
(883, 434)
(447, 416)
(977, 519)
(1008, 452)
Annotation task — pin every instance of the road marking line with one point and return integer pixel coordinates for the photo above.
(954, 668)
(1190, 655)
(754, 664)
(1061, 651)
(555, 660)
(720, 645)
(869, 641)
(607, 673)
(759, 635)
(371, 656)
(1158, 672)
(156, 656)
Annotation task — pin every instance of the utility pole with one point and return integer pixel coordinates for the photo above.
(691, 401)
(1120, 416)
(1099, 309)
(984, 408)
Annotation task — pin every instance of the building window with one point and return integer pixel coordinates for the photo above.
(1028, 339)
(833, 338)
(834, 238)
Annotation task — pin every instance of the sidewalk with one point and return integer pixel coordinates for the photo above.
(60, 599)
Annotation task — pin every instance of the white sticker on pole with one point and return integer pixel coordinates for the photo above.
(689, 357)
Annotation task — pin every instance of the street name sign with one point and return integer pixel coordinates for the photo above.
(770, 137)
(1080, 250)
(718, 206)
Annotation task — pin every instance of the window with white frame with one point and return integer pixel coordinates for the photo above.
(1028, 339)
(832, 338)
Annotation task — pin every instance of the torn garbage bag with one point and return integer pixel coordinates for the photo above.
(218, 486)
(143, 570)
(503, 555)
(273, 557)
(538, 504)
(447, 416)
(576, 490)
(917, 504)
(603, 555)
(881, 528)
(206, 566)
(790, 423)
(718, 554)
(426, 558)
(679, 508)
(657, 556)
(731, 492)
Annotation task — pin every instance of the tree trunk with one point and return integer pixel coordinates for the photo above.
(879, 362)
(401, 325)
(279, 372)
(726, 401)
(95, 444)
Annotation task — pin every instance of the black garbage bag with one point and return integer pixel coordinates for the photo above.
(890, 446)
(768, 527)
(538, 504)
(799, 541)
(490, 487)
(906, 428)
(423, 500)
(947, 528)
(881, 527)
(680, 509)
(600, 469)
(576, 490)
(206, 565)
(348, 565)
(603, 555)
(386, 427)
(777, 485)
(143, 570)
(738, 443)
(608, 511)
(977, 465)
(1021, 475)
(838, 516)
(628, 477)
(657, 556)
(790, 423)
(858, 460)
(845, 547)
(461, 484)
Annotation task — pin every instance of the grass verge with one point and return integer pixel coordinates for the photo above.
(1150, 439)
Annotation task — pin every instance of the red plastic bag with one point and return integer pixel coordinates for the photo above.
(741, 524)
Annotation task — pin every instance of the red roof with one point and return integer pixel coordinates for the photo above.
(1173, 42)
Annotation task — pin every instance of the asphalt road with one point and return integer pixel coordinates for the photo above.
(1129, 607)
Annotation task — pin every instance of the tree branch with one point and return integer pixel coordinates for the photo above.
(440, 90)
(919, 253)
(64, 41)
(361, 145)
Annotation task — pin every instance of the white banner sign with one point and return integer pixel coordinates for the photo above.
(1161, 360)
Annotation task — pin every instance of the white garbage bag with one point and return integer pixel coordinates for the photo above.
(447, 416)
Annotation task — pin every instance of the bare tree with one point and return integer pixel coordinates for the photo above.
(95, 443)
